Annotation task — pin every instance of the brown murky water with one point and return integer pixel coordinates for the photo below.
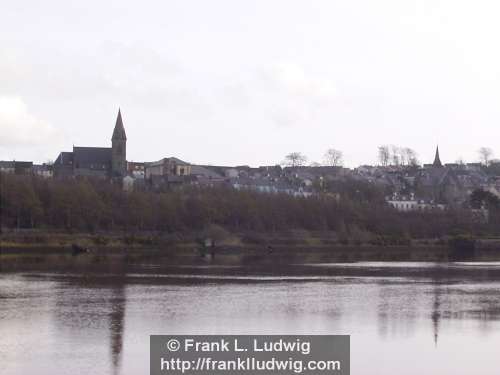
(399, 322)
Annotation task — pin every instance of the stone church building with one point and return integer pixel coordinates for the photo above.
(102, 162)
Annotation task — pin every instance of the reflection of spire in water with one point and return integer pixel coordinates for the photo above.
(435, 321)
(436, 314)
(117, 325)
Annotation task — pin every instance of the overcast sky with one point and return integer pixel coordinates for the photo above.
(245, 82)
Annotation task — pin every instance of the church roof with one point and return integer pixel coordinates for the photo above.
(434, 176)
(84, 157)
(119, 131)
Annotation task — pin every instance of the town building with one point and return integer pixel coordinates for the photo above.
(167, 167)
(167, 173)
(205, 176)
(43, 170)
(17, 167)
(7, 166)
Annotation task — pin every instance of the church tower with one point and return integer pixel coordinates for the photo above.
(119, 149)
(437, 160)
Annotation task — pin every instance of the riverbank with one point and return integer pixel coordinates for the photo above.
(56, 250)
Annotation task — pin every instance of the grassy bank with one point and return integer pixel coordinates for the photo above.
(27, 249)
(47, 238)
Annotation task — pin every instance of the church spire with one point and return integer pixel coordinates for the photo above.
(119, 131)
(437, 160)
(119, 149)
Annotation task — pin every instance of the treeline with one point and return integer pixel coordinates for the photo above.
(94, 206)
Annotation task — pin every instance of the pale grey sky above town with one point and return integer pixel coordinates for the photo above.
(245, 82)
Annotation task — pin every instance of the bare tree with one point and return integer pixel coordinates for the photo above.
(410, 157)
(384, 155)
(333, 158)
(295, 159)
(395, 155)
(485, 155)
(403, 157)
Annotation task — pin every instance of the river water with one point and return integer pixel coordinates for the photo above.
(403, 318)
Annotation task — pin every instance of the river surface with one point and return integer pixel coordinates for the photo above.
(400, 321)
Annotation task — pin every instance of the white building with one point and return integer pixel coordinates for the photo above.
(403, 203)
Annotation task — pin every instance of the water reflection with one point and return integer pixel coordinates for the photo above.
(101, 323)
(93, 309)
(397, 309)
(436, 313)
(117, 325)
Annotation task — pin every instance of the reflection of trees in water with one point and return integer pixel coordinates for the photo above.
(95, 302)
(396, 309)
